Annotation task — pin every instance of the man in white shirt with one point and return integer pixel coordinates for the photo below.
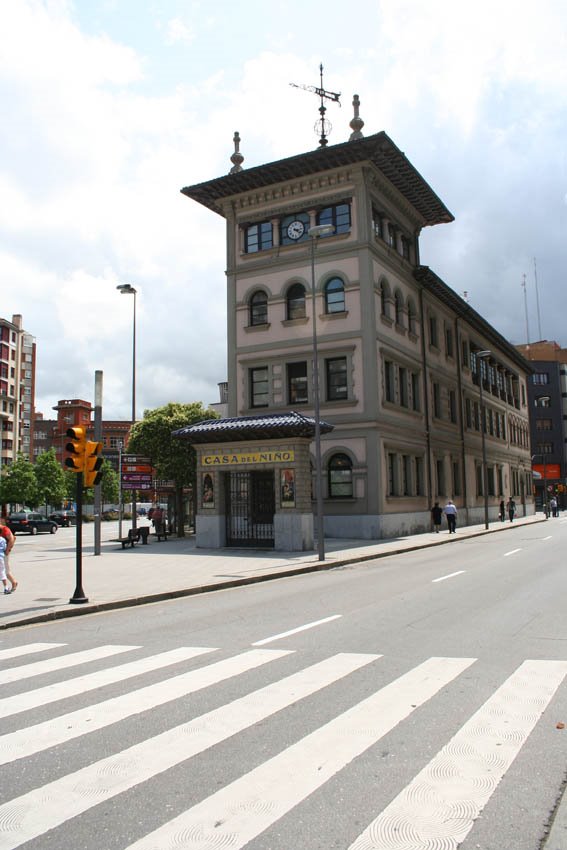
(451, 514)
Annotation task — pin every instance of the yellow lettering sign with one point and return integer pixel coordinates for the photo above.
(242, 458)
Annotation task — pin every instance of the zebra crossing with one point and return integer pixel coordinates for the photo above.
(437, 808)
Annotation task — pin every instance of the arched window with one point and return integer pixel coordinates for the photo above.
(334, 296)
(385, 299)
(296, 301)
(340, 476)
(258, 308)
(398, 312)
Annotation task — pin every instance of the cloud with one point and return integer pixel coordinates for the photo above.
(178, 31)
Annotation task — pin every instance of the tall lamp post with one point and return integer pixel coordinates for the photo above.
(483, 355)
(127, 289)
(315, 233)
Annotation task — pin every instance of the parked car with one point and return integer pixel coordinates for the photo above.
(64, 518)
(30, 522)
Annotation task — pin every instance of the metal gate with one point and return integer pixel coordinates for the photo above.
(250, 508)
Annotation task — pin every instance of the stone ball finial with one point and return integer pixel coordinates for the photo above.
(237, 159)
(356, 123)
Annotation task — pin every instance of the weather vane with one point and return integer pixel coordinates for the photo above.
(321, 124)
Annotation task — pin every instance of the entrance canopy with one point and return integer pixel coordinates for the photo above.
(244, 428)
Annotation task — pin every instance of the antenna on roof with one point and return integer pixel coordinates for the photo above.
(321, 124)
(526, 309)
(537, 301)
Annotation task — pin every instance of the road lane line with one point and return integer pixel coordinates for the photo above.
(298, 629)
(446, 797)
(242, 810)
(549, 536)
(62, 662)
(91, 681)
(50, 805)
(450, 575)
(511, 552)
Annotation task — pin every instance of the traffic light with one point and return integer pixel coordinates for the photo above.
(75, 448)
(93, 463)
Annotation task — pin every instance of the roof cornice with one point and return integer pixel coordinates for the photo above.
(378, 149)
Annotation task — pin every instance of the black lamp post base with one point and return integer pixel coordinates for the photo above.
(78, 597)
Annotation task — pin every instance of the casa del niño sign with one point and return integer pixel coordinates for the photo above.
(241, 458)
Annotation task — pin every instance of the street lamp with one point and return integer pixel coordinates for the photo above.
(483, 355)
(127, 289)
(315, 233)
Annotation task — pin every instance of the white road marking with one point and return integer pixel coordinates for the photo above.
(62, 662)
(549, 537)
(28, 649)
(450, 575)
(298, 629)
(512, 552)
(91, 681)
(239, 812)
(45, 808)
(42, 736)
(446, 797)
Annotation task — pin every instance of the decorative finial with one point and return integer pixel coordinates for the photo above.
(356, 123)
(237, 159)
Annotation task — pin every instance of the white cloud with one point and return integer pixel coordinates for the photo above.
(177, 30)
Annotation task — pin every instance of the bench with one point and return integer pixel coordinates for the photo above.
(135, 535)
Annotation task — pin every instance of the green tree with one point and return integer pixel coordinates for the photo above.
(18, 484)
(173, 459)
(50, 479)
(110, 487)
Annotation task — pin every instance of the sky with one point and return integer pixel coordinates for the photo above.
(110, 107)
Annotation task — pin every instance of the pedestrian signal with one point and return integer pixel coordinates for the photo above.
(93, 463)
(75, 448)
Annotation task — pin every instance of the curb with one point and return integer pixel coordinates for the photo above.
(134, 601)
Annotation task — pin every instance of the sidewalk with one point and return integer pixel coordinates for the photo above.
(121, 578)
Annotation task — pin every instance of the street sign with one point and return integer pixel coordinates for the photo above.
(136, 459)
(133, 478)
(137, 485)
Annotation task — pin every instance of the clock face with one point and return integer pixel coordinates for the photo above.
(295, 230)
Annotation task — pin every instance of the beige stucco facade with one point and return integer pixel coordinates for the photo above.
(399, 378)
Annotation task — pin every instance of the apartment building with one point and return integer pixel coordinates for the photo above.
(17, 389)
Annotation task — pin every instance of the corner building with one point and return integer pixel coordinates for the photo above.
(398, 372)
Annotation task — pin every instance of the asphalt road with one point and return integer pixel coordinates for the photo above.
(411, 702)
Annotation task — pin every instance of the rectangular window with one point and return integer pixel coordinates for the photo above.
(391, 474)
(376, 222)
(338, 216)
(540, 378)
(419, 476)
(258, 237)
(468, 413)
(440, 470)
(490, 481)
(544, 448)
(500, 476)
(465, 353)
(437, 401)
(389, 380)
(406, 472)
(259, 386)
(403, 386)
(337, 384)
(433, 336)
(297, 383)
(544, 424)
(452, 405)
(456, 478)
(415, 391)
(449, 341)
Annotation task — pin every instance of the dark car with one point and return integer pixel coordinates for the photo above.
(30, 522)
(64, 518)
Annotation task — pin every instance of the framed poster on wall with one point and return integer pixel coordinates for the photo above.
(207, 490)
(287, 488)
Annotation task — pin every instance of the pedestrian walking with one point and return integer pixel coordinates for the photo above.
(511, 509)
(502, 513)
(6, 534)
(436, 517)
(451, 514)
(553, 506)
